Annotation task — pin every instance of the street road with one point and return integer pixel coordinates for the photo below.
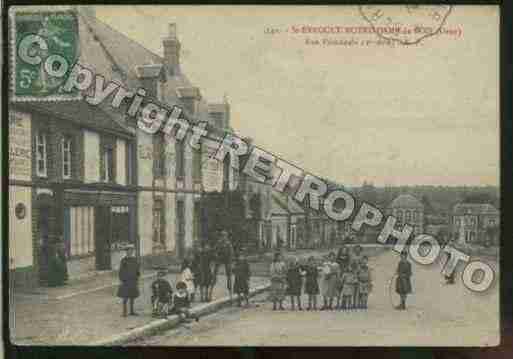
(437, 314)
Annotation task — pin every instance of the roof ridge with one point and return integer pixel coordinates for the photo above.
(96, 37)
(128, 38)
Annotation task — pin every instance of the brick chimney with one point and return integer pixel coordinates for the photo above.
(171, 51)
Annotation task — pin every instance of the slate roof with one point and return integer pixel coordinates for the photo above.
(127, 56)
(475, 209)
(81, 113)
(116, 57)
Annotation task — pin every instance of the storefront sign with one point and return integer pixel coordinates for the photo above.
(212, 173)
(20, 149)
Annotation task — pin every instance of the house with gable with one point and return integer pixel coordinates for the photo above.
(89, 177)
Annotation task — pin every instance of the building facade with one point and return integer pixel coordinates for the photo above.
(71, 180)
(406, 208)
(475, 223)
(88, 176)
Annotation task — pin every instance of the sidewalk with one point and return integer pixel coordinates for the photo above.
(79, 314)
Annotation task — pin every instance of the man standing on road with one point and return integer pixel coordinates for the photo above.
(224, 254)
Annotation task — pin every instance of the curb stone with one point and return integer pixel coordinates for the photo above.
(170, 322)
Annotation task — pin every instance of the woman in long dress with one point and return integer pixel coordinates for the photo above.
(403, 281)
(278, 282)
(129, 273)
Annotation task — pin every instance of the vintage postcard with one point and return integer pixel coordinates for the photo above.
(253, 175)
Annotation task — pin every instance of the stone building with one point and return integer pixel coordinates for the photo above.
(475, 223)
(71, 180)
(89, 176)
(172, 175)
(406, 208)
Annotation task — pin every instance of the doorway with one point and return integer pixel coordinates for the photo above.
(45, 247)
(103, 234)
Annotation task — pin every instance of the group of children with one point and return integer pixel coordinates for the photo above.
(164, 302)
(345, 277)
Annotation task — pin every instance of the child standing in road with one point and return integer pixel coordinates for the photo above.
(242, 276)
(312, 283)
(277, 290)
(188, 278)
(330, 280)
(356, 259)
(294, 283)
(348, 283)
(364, 283)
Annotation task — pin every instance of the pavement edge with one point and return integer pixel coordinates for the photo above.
(172, 321)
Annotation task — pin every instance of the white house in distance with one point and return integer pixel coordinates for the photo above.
(475, 223)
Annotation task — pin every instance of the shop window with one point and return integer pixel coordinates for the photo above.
(41, 154)
(159, 233)
(66, 147)
(407, 216)
(79, 230)
(399, 215)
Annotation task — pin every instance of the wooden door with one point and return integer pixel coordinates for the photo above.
(103, 231)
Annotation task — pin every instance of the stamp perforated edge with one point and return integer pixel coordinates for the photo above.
(12, 47)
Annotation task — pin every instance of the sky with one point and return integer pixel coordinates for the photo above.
(425, 114)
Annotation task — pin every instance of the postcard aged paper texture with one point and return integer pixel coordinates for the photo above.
(254, 175)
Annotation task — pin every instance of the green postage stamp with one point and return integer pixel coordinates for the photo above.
(46, 45)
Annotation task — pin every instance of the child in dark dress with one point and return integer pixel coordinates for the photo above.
(161, 296)
(206, 275)
(242, 275)
(294, 283)
(181, 303)
(312, 283)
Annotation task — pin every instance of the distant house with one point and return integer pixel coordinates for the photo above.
(475, 223)
(287, 222)
(408, 209)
